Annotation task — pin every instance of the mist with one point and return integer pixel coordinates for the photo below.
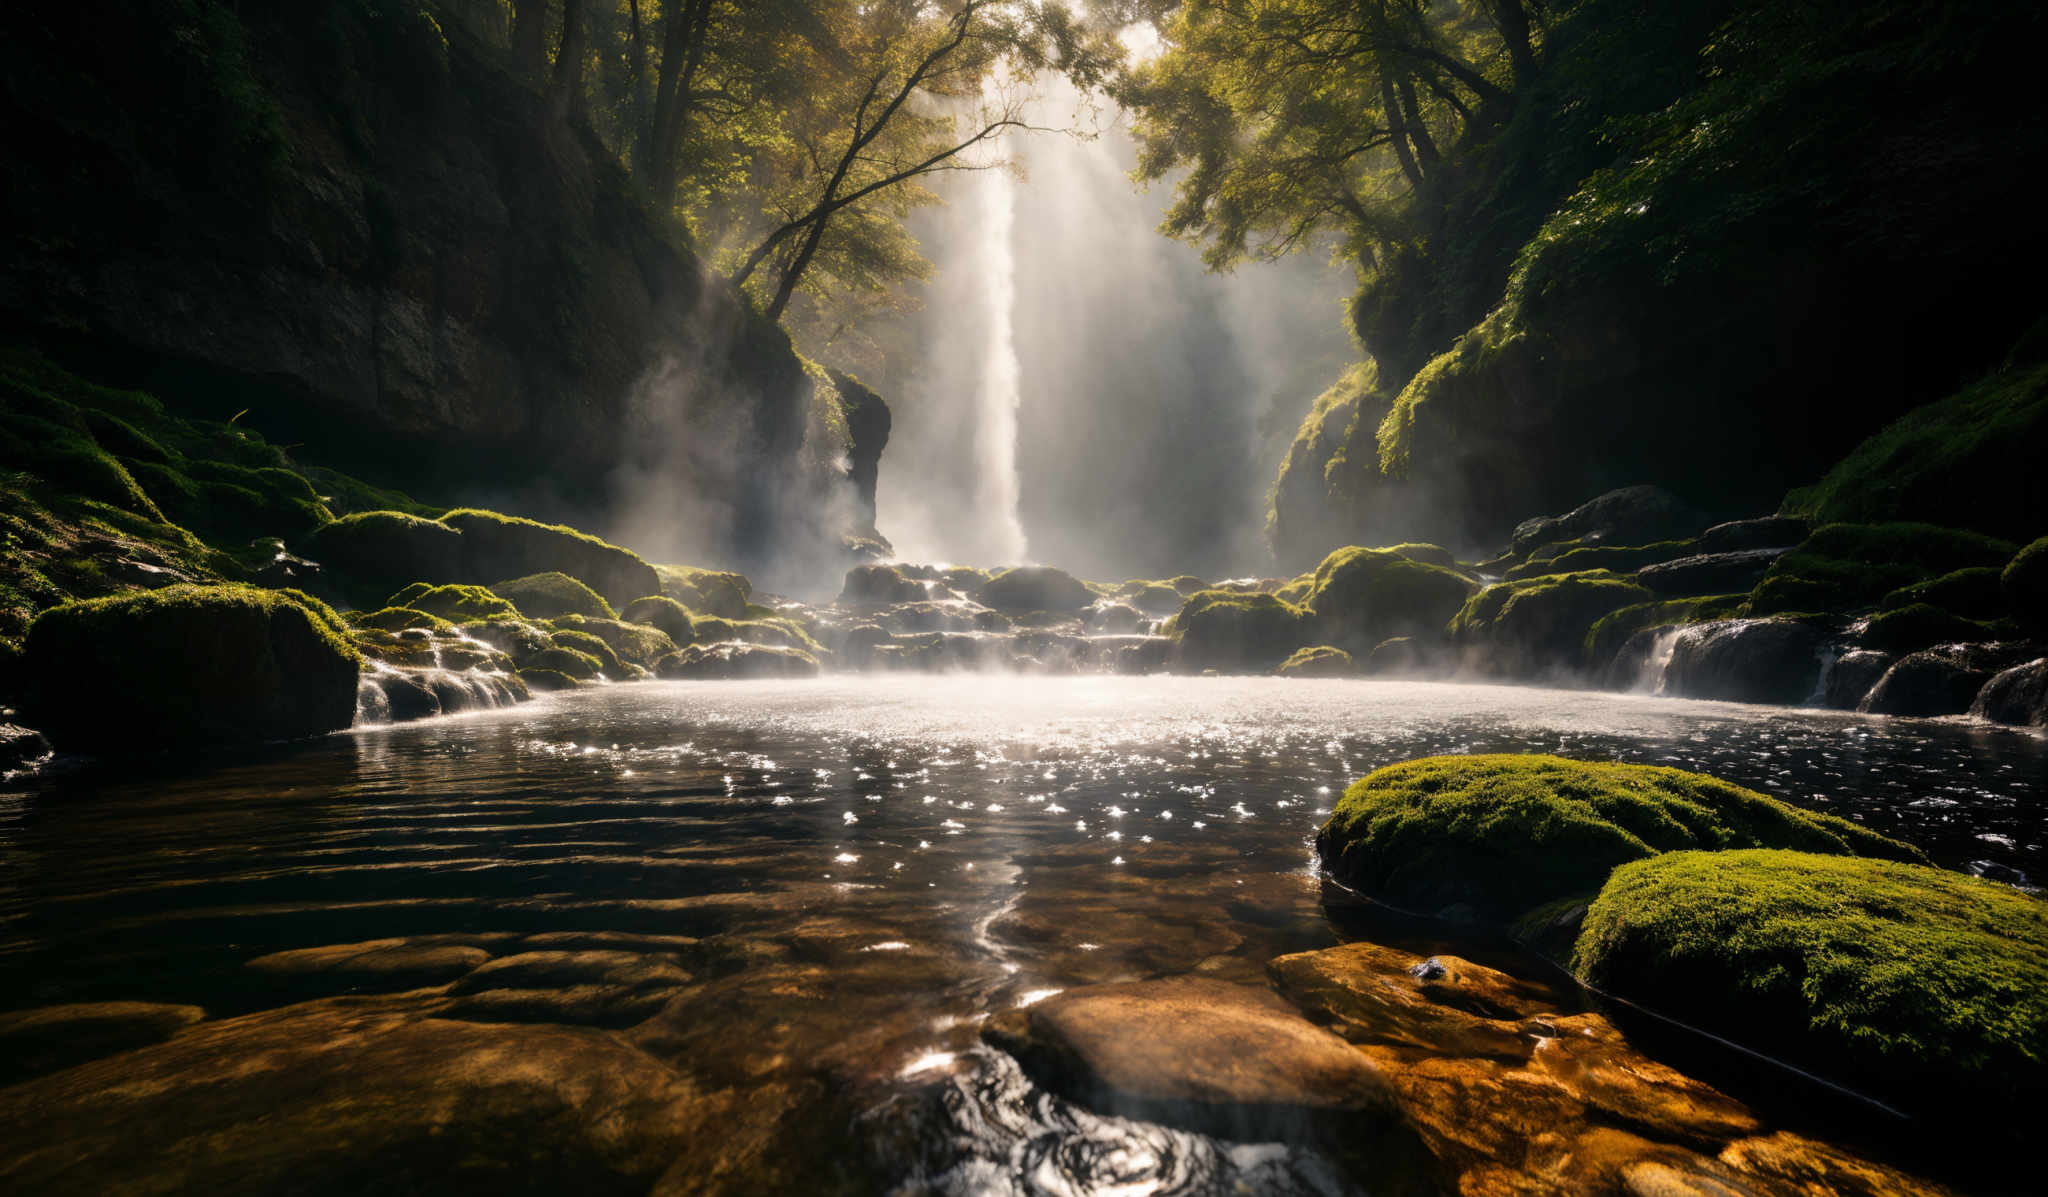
(1153, 400)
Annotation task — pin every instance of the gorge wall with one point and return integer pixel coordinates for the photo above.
(358, 226)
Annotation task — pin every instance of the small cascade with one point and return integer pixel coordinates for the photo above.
(1830, 653)
(995, 436)
(1650, 678)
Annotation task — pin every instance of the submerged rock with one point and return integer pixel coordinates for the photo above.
(1938, 681)
(190, 665)
(378, 964)
(1495, 837)
(52, 1038)
(1746, 660)
(1224, 1059)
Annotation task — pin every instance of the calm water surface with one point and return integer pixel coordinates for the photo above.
(940, 847)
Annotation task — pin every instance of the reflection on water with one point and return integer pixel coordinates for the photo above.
(872, 867)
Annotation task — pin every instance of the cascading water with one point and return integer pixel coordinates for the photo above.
(995, 433)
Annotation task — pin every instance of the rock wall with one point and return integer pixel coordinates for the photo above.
(366, 231)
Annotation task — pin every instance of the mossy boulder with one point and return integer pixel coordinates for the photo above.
(505, 546)
(1153, 598)
(736, 659)
(1236, 632)
(454, 602)
(590, 646)
(1851, 567)
(397, 619)
(881, 585)
(1605, 639)
(545, 680)
(635, 643)
(1539, 625)
(710, 591)
(775, 633)
(570, 662)
(1926, 986)
(1362, 596)
(190, 665)
(1495, 837)
(666, 614)
(1035, 588)
(1577, 558)
(1971, 593)
(1920, 625)
(2025, 583)
(552, 595)
(1319, 661)
(379, 548)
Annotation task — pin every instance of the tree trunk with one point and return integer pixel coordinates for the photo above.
(530, 37)
(682, 52)
(1513, 21)
(1397, 125)
(568, 85)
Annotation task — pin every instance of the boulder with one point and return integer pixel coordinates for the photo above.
(1223, 1059)
(1233, 632)
(1925, 986)
(1917, 626)
(382, 549)
(373, 965)
(1035, 588)
(1631, 515)
(1974, 593)
(2018, 696)
(665, 614)
(1361, 597)
(1769, 532)
(737, 659)
(880, 585)
(2025, 582)
(21, 747)
(454, 602)
(1492, 838)
(1538, 625)
(552, 595)
(504, 546)
(867, 432)
(1851, 677)
(706, 591)
(1852, 567)
(1746, 660)
(1936, 681)
(190, 665)
(634, 643)
(1709, 573)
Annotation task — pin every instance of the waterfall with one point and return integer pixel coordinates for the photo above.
(995, 430)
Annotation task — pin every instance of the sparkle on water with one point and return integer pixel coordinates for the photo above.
(985, 868)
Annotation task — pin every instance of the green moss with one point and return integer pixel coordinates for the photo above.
(1921, 625)
(456, 603)
(883, 585)
(664, 613)
(1620, 559)
(398, 619)
(1930, 986)
(1034, 588)
(737, 660)
(546, 596)
(1502, 835)
(635, 644)
(1236, 632)
(1319, 661)
(1153, 598)
(1539, 624)
(569, 661)
(190, 665)
(1847, 568)
(710, 591)
(1187, 584)
(379, 548)
(1971, 593)
(1970, 460)
(964, 578)
(1608, 633)
(778, 633)
(2025, 584)
(503, 546)
(1360, 597)
(593, 647)
(546, 679)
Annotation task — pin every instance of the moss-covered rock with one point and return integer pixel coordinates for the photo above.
(2025, 583)
(1971, 593)
(964, 578)
(552, 595)
(1236, 632)
(190, 665)
(1153, 598)
(1498, 836)
(397, 619)
(666, 614)
(1539, 625)
(735, 659)
(881, 585)
(380, 548)
(1035, 588)
(569, 662)
(1920, 625)
(1850, 568)
(1362, 596)
(1319, 661)
(457, 603)
(545, 680)
(774, 633)
(1577, 558)
(710, 591)
(635, 643)
(1604, 640)
(590, 646)
(1928, 986)
(505, 546)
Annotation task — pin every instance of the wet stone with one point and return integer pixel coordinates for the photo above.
(378, 964)
(51, 1038)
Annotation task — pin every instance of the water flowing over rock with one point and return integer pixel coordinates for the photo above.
(1938, 681)
(2017, 696)
(1851, 676)
(1746, 660)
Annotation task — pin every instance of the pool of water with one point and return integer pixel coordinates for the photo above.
(936, 848)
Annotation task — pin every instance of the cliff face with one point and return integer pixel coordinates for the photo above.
(368, 233)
